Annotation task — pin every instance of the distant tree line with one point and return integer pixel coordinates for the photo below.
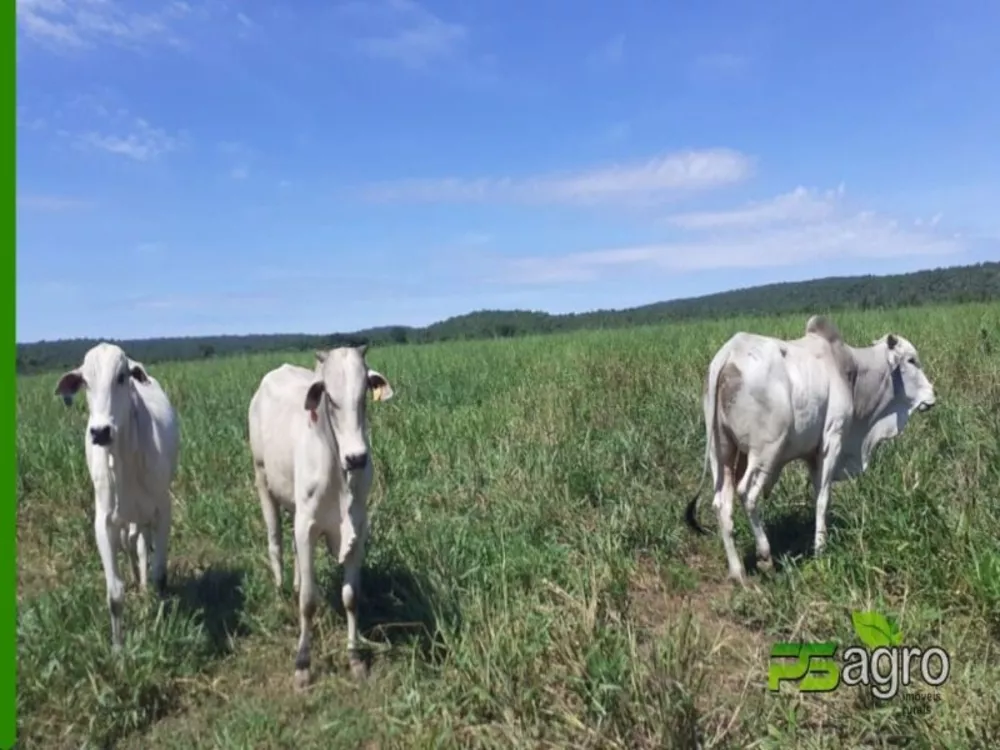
(975, 283)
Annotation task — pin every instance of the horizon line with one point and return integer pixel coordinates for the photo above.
(592, 311)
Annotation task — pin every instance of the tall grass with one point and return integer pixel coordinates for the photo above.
(529, 581)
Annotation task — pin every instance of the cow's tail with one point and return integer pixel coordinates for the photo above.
(710, 410)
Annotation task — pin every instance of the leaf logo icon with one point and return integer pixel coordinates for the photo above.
(876, 631)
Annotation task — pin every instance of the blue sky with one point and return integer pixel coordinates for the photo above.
(190, 168)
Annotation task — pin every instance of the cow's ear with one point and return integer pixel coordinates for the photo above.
(892, 350)
(381, 390)
(138, 372)
(313, 395)
(69, 384)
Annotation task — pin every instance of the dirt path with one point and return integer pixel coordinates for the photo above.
(732, 668)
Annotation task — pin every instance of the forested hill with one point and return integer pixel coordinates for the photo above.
(976, 283)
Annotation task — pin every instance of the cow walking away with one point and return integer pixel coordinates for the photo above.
(312, 456)
(131, 443)
(768, 402)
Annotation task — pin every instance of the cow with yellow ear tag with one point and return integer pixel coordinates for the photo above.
(312, 456)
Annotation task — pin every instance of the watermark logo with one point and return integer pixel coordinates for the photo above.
(884, 664)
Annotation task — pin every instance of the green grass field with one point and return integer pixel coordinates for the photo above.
(530, 581)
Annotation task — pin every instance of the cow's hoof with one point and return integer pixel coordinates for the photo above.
(359, 668)
(765, 564)
(301, 679)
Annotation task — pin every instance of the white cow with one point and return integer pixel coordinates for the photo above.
(311, 456)
(131, 443)
(768, 402)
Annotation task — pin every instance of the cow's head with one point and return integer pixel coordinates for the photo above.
(106, 373)
(910, 382)
(345, 378)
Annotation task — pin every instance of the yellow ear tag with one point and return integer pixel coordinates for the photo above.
(377, 393)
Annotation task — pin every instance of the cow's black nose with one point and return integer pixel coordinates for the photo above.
(356, 461)
(100, 435)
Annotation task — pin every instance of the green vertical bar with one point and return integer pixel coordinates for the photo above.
(8, 451)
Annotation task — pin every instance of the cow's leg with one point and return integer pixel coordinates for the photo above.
(108, 541)
(272, 522)
(814, 467)
(142, 544)
(723, 504)
(128, 535)
(161, 543)
(138, 552)
(295, 562)
(350, 593)
(828, 462)
(751, 489)
(305, 537)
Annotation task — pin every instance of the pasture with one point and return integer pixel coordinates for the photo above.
(529, 580)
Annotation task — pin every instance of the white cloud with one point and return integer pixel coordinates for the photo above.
(800, 205)
(932, 222)
(100, 102)
(246, 28)
(655, 179)
(143, 143)
(103, 123)
(79, 24)
(791, 229)
(416, 37)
